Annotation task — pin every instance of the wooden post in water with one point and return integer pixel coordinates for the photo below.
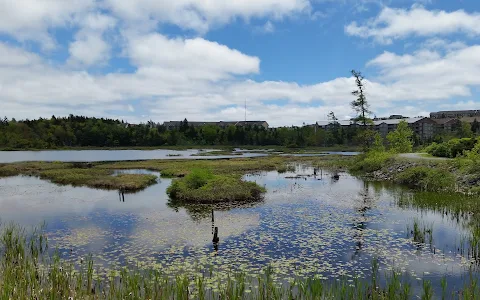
(216, 239)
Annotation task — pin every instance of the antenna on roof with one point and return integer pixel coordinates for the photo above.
(245, 110)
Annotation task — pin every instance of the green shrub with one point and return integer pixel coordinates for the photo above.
(426, 178)
(452, 148)
(198, 178)
(371, 161)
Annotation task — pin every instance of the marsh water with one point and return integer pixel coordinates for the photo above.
(322, 226)
(113, 155)
(126, 155)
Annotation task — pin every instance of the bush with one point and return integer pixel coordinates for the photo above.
(198, 178)
(371, 161)
(452, 148)
(427, 178)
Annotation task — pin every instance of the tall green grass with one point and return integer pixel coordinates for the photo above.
(27, 271)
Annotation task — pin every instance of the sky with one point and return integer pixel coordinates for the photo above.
(289, 60)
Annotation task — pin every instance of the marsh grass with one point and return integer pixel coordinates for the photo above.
(100, 174)
(371, 161)
(98, 178)
(425, 178)
(421, 232)
(462, 209)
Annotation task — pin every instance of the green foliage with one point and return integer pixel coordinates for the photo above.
(377, 145)
(465, 130)
(474, 153)
(371, 161)
(201, 186)
(198, 178)
(401, 139)
(79, 131)
(426, 178)
(452, 148)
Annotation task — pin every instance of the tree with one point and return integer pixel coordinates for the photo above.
(377, 145)
(465, 130)
(475, 126)
(401, 139)
(332, 118)
(360, 105)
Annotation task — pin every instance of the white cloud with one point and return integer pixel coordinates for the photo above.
(200, 15)
(89, 49)
(10, 57)
(196, 58)
(394, 23)
(462, 105)
(31, 19)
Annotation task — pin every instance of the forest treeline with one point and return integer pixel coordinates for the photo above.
(80, 131)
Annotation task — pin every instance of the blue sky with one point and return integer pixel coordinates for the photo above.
(202, 59)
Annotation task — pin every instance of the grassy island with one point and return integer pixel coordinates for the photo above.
(202, 186)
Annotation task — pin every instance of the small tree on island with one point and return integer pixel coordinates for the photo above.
(401, 140)
(361, 107)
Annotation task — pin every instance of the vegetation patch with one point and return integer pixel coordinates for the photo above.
(98, 178)
(425, 178)
(202, 186)
(371, 161)
(452, 148)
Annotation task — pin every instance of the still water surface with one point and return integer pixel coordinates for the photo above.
(306, 226)
(111, 155)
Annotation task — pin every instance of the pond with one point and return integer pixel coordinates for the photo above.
(125, 155)
(325, 226)
(112, 155)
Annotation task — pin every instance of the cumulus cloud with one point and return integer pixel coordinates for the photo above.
(31, 19)
(200, 15)
(188, 58)
(89, 47)
(397, 23)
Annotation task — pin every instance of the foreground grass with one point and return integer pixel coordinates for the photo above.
(27, 271)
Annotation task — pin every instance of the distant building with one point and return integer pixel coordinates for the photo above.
(455, 114)
(176, 124)
(327, 124)
(423, 127)
(452, 124)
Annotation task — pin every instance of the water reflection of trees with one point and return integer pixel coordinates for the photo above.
(362, 204)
